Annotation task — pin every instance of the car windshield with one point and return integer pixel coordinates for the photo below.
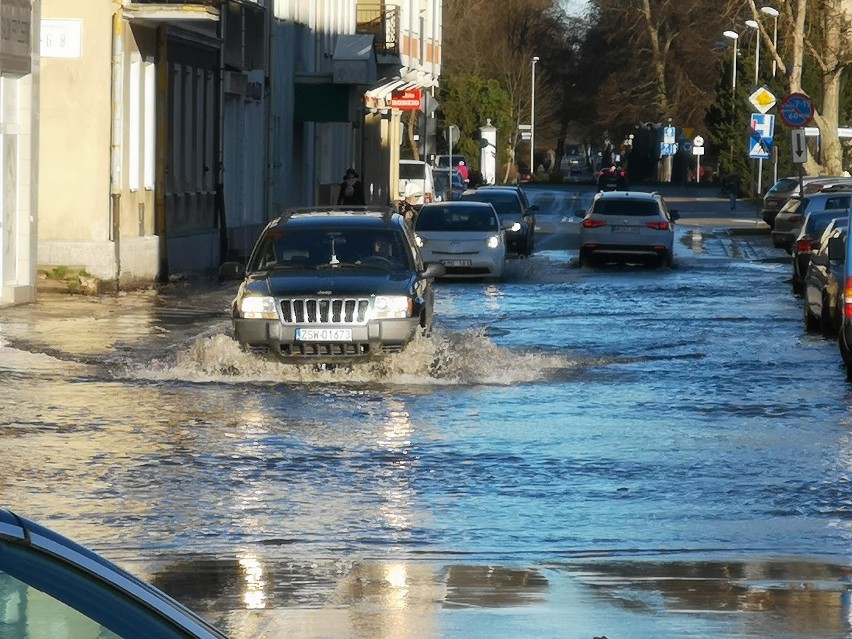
(818, 222)
(330, 248)
(787, 184)
(626, 207)
(456, 218)
(504, 202)
(409, 171)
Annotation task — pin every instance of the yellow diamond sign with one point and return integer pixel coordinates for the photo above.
(762, 99)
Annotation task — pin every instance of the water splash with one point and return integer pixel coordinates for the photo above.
(454, 358)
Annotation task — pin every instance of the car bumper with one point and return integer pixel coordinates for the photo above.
(468, 265)
(372, 339)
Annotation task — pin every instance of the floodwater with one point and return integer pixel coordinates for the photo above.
(576, 452)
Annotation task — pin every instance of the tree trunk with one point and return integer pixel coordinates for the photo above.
(659, 59)
(411, 129)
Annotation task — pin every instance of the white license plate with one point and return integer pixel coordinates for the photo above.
(455, 262)
(324, 334)
(625, 229)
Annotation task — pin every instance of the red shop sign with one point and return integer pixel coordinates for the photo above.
(408, 100)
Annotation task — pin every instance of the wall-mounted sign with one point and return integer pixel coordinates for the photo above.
(407, 100)
(61, 38)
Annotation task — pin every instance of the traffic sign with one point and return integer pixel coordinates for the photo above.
(698, 150)
(760, 139)
(669, 135)
(698, 140)
(799, 146)
(796, 110)
(668, 148)
(763, 99)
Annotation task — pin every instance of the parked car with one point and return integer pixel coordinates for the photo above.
(449, 184)
(808, 241)
(822, 289)
(627, 226)
(416, 176)
(777, 196)
(512, 205)
(788, 222)
(51, 587)
(443, 161)
(325, 284)
(466, 237)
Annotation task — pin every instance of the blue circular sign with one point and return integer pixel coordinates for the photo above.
(796, 110)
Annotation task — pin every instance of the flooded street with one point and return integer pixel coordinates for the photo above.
(576, 452)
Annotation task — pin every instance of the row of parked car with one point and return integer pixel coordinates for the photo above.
(809, 218)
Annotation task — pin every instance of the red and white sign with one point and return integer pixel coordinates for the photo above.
(408, 100)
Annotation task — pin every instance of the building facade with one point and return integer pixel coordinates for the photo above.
(171, 131)
(19, 115)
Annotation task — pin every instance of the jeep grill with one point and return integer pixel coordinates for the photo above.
(325, 310)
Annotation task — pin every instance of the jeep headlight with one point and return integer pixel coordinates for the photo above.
(493, 242)
(391, 306)
(258, 307)
(419, 241)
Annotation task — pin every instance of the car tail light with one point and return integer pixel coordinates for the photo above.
(803, 246)
(795, 219)
(659, 226)
(593, 224)
(847, 299)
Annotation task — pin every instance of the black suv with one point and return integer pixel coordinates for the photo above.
(325, 284)
(511, 204)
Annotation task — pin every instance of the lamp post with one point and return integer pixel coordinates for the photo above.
(752, 24)
(532, 118)
(733, 35)
(772, 13)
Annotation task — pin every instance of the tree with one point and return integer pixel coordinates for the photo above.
(819, 33)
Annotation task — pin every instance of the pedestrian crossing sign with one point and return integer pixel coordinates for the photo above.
(762, 128)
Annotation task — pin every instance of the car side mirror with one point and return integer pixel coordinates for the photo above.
(433, 271)
(533, 207)
(836, 249)
(674, 215)
(231, 271)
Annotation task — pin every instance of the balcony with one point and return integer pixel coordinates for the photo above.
(381, 22)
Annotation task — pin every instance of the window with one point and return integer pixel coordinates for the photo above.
(44, 598)
(446, 218)
(644, 208)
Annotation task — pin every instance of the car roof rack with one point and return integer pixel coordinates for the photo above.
(384, 212)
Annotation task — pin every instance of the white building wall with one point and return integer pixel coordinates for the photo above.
(19, 108)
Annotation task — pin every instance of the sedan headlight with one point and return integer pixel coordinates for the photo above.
(419, 241)
(493, 241)
(257, 307)
(391, 306)
(515, 227)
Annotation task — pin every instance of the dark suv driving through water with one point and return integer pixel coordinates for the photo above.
(325, 284)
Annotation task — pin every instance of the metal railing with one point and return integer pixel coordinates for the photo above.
(382, 22)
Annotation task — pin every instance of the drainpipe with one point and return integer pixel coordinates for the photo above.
(116, 135)
(221, 213)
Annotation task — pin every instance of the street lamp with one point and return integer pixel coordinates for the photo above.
(532, 118)
(733, 35)
(772, 13)
(752, 24)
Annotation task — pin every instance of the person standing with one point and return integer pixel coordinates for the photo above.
(351, 189)
(732, 183)
(465, 174)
